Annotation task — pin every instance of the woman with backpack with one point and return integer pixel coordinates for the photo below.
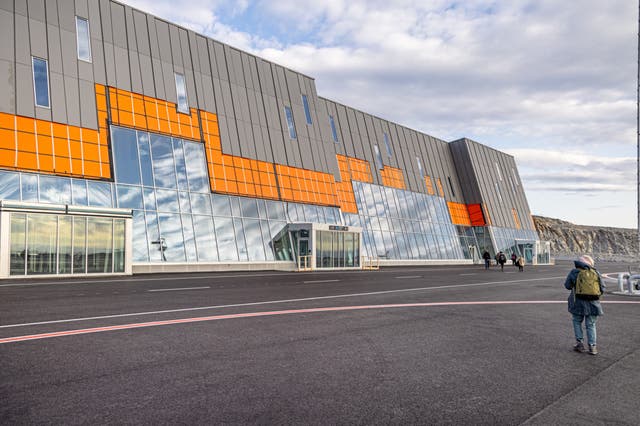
(586, 287)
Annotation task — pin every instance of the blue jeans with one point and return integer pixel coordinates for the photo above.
(590, 325)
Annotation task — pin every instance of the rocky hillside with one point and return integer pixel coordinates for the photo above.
(569, 240)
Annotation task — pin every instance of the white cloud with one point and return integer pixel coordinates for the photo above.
(557, 77)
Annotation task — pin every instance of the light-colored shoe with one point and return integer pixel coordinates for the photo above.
(593, 350)
(578, 347)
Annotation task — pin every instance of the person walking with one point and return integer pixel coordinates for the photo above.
(514, 259)
(487, 259)
(520, 263)
(586, 287)
(502, 259)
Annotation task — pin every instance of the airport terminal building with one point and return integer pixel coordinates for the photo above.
(130, 144)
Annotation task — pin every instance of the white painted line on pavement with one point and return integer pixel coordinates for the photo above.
(465, 275)
(320, 281)
(269, 302)
(177, 289)
(15, 339)
(410, 276)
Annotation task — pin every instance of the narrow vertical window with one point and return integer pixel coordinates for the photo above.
(387, 144)
(451, 186)
(515, 176)
(307, 112)
(83, 39)
(378, 157)
(499, 172)
(290, 123)
(420, 166)
(334, 132)
(41, 82)
(181, 91)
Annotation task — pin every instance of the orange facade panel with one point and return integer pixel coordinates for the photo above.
(42, 146)
(459, 213)
(475, 215)
(392, 177)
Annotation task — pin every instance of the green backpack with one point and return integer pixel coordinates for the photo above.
(588, 285)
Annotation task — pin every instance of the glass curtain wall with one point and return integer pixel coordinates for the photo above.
(399, 224)
(164, 181)
(337, 249)
(49, 244)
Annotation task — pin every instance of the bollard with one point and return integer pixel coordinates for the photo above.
(621, 277)
(631, 280)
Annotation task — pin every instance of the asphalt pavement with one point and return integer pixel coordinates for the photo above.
(414, 345)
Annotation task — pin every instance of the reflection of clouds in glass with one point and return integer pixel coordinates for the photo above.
(9, 186)
(171, 231)
(167, 200)
(196, 167)
(99, 194)
(129, 197)
(205, 238)
(55, 190)
(226, 238)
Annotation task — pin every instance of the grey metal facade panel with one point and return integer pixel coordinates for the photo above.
(246, 70)
(202, 52)
(123, 71)
(175, 47)
(55, 50)
(234, 66)
(134, 69)
(226, 107)
(88, 115)
(265, 144)
(82, 8)
(198, 101)
(95, 26)
(258, 141)
(185, 49)
(277, 146)
(58, 99)
(43, 114)
(51, 12)
(169, 82)
(35, 10)
(130, 30)
(245, 139)
(154, 43)
(69, 53)
(23, 50)
(118, 25)
(105, 19)
(158, 78)
(85, 71)
(38, 38)
(7, 35)
(21, 7)
(192, 98)
(72, 96)
(146, 73)
(24, 91)
(8, 6)
(8, 89)
(164, 41)
(293, 88)
(140, 31)
(240, 104)
(209, 101)
(265, 76)
(281, 83)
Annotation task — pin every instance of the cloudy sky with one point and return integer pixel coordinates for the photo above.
(552, 82)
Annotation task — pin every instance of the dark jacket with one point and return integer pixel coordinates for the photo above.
(581, 306)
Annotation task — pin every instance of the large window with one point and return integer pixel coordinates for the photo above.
(51, 244)
(41, 81)
(307, 112)
(420, 169)
(181, 91)
(387, 144)
(334, 132)
(83, 39)
(378, 157)
(290, 123)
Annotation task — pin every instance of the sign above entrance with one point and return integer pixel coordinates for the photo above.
(338, 228)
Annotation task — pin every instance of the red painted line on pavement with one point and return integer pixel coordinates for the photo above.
(270, 313)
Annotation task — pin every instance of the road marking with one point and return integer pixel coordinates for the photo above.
(270, 302)
(177, 289)
(463, 275)
(320, 281)
(410, 276)
(273, 313)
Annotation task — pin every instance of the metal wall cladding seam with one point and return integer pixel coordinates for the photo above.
(24, 91)
(35, 10)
